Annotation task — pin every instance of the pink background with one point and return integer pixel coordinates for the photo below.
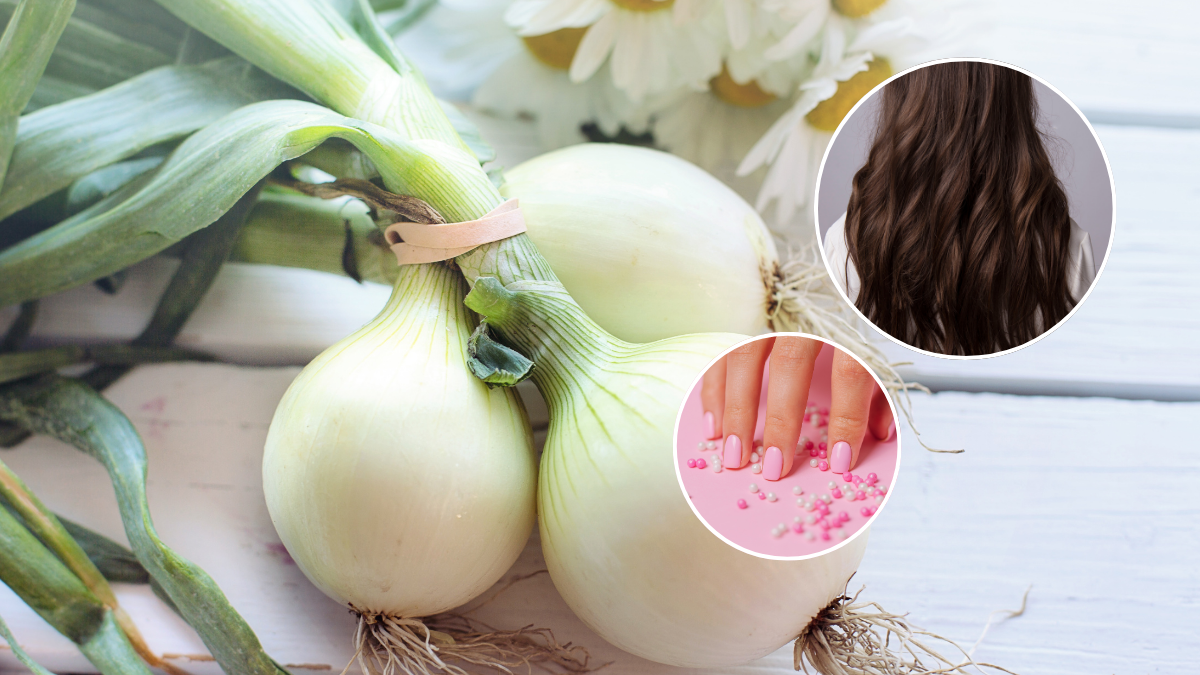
(714, 495)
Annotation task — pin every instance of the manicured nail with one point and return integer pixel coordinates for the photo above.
(891, 432)
(773, 464)
(732, 456)
(710, 425)
(839, 462)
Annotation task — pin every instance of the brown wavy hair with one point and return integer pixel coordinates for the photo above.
(957, 225)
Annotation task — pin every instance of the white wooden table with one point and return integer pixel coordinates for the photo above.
(1091, 501)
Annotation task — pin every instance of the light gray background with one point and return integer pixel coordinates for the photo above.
(1077, 159)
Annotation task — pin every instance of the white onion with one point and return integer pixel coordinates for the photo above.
(622, 545)
(400, 483)
(648, 244)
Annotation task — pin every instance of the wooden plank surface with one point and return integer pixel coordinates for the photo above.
(1121, 62)
(1066, 495)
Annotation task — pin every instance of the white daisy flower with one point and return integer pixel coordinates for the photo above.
(652, 46)
(526, 84)
(468, 52)
(855, 56)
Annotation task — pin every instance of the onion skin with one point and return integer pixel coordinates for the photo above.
(398, 482)
(622, 545)
(648, 244)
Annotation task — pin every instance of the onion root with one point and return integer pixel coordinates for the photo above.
(861, 638)
(389, 645)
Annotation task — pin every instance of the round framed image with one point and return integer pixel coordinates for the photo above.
(786, 446)
(965, 208)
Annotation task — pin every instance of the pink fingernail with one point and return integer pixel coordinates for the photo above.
(732, 455)
(773, 464)
(840, 462)
(710, 425)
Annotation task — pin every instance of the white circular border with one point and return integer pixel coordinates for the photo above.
(679, 473)
(1112, 189)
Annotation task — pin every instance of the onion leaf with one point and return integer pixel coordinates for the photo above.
(25, 48)
(59, 144)
(208, 173)
(74, 413)
(21, 655)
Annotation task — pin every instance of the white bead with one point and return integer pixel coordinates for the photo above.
(753, 457)
(716, 457)
(813, 463)
(756, 468)
(797, 490)
(832, 485)
(816, 419)
(810, 506)
(716, 468)
(827, 499)
(702, 445)
(879, 500)
(800, 502)
(840, 533)
(712, 445)
(811, 520)
(771, 496)
(809, 536)
(777, 533)
(798, 519)
(753, 488)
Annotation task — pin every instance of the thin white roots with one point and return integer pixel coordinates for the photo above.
(389, 645)
(805, 300)
(861, 638)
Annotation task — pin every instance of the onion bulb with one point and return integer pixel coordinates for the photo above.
(621, 543)
(650, 245)
(401, 485)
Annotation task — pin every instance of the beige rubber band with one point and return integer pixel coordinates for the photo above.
(415, 243)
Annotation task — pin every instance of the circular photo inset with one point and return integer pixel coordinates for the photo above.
(965, 208)
(786, 447)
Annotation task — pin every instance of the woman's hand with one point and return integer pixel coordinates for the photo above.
(731, 390)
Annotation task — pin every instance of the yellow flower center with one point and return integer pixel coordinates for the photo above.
(748, 95)
(643, 5)
(857, 8)
(556, 49)
(829, 113)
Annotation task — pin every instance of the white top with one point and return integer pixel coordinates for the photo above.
(1080, 274)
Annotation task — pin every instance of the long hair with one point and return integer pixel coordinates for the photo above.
(957, 225)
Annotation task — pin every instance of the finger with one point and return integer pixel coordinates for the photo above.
(882, 425)
(712, 398)
(792, 361)
(851, 389)
(743, 384)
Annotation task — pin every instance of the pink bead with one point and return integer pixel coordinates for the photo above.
(876, 493)
(825, 535)
(823, 509)
(837, 494)
(825, 524)
(808, 445)
(848, 477)
(691, 463)
(824, 466)
(822, 454)
(812, 452)
(872, 478)
(859, 495)
(797, 528)
(742, 503)
(866, 511)
(843, 516)
(700, 464)
(873, 509)
(823, 411)
(882, 489)
(822, 446)
(762, 495)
